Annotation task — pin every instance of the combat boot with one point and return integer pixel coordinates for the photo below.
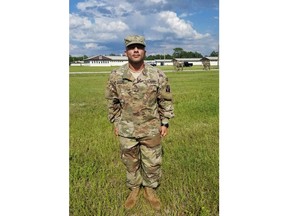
(132, 198)
(150, 195)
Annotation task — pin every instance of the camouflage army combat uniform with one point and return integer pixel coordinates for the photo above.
(137, 107)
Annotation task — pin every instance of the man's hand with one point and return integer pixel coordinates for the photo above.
(163, 131)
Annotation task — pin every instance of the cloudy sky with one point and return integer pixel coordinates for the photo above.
(100, 26)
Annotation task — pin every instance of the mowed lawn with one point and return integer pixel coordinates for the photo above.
(190, 181)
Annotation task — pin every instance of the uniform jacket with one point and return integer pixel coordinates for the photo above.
(138, 106)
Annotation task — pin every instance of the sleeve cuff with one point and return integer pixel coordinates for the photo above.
(165, 121)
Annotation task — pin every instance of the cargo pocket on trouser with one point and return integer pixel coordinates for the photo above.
(151, 160)
(152, 141)
(130, 156)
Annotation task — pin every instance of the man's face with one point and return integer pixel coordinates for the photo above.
(135, 53)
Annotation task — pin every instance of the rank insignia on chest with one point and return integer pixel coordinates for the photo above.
(120, 81)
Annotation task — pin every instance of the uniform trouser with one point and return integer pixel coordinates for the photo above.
(142, 159)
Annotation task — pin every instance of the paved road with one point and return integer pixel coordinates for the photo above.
(165, 71)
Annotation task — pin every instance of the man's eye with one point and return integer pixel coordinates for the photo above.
(135, 46)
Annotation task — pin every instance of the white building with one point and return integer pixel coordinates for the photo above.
(102, 60)
(105, 60)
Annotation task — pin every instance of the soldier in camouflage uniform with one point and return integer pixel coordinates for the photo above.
(177, 65)
(205, 63)
(140, 106)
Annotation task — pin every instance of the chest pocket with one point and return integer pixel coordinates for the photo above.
(150, 95)
(124, 89)
(152, 86)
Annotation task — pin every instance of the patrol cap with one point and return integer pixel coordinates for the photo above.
(134, 39)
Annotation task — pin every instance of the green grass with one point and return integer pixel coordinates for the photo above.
(90, 68)
(190, 181)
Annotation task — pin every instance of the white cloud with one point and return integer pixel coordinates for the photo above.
(94, 46)
(177, 26)
(184, 15)
(78, 35)
(110, 25)
(82, 6)
(106, 8)
(72, 46)
(153, 2)
(79, 22)
(98, 30)
(100, 23)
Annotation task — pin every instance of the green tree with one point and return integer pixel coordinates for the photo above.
(197, 55)
(214, 54)
(178, 52)
(168, 56)
(70, 59)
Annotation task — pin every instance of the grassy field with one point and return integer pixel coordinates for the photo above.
(190, 181)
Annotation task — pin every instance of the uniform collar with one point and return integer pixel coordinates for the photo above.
(128, 75)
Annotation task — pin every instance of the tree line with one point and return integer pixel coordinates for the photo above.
(178, 53)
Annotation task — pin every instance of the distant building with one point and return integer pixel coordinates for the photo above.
(102, 60)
